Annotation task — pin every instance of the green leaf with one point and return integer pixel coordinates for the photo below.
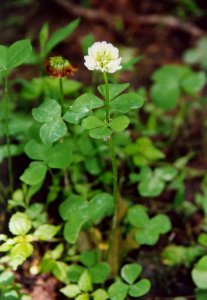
(92, 122)
(199, 273)
(100, 294)
(19, 224)
(60, 34)
(3, 58)
(165, 91)
(36, 151)
(140, 288)
(114, 89)
(166, 95)
(197, 55)
(100, 133)
(85, 282)
(18, 53)
(145, 146)
(118, 291)
(200, 294)
(202, 239)
(126, 102)
(194, 82)
(43, 37)
(86, 42)
(119, 123)
(60, 271)
(73, 117)
(146, 237)
(151, 188)
(6, 246)
(52, 131)
(35, 173)
(19, 253)
(160, 224)
(78, 211)
(171, 72)
(174, 255)
(72, 206)
(72, 229)
(6, 278)
(11, 295)
(89, 258)
(100, 272)
(100, 206)
(48, 111)
(84, 296)
(138, 216)
(74, 272)
(86, 103)
(166, 173)
(3, 237)
(131, 272)
(202, 264)
(59, 156)
(46, 232)
(71, 290)
(14, 150)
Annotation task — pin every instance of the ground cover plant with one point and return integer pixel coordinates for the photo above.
(101, 192)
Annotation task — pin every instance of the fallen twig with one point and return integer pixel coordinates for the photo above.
(130, 18)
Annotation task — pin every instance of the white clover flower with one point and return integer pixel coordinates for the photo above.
(104, 57)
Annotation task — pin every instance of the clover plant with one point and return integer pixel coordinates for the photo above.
(20, 247)
(82, 156)
(8, 288)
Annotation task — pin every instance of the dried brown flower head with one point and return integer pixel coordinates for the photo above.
(58, 66)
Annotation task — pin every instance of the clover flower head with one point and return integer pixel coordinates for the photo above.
(58, 66)
(104, 57)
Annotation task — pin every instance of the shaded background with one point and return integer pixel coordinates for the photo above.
(159, 30)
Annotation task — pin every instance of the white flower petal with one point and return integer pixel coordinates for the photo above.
(104, 57)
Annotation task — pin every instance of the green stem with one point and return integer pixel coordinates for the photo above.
(66, 179)
(6, 123)
(61, 93)
(107, 105)
(115, 185)
(112, 239)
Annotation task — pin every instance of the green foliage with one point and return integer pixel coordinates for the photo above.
(58, 36)
(48, 87)
(148, 230)
(119, 290)
(35, 173)
(198, 54)
(93, 272)
(77, 211)
(9, 290)
(174, 255)
(72, 140)
(20, 247)
(46, 232)
(54, 127)
(143, 151)
(170, 81)
(199, 273)
(19, 224)
(13, 56)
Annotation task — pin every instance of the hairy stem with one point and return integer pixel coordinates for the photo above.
(6, 124)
